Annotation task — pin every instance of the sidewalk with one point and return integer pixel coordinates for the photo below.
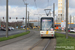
(3, 43)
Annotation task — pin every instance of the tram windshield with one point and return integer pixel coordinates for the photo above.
(47, 24)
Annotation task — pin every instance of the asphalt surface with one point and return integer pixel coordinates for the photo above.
(24, 44)
(41, 45)
(45, 44)
(12, 32)
(27, 42)
(70, 34)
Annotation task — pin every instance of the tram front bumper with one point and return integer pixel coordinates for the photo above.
(47, 35)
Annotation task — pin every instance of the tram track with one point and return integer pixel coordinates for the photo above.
(47, 44)
(31, 41)
(41, 45)
(35, 44)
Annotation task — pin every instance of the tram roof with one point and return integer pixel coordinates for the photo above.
(46, 16)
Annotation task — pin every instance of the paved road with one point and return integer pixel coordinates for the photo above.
(27, 43)
(70, 34)
(12, 32)
(24, 44)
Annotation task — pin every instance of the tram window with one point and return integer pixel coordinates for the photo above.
(47, 24)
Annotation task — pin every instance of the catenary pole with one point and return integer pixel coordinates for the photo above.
(28, 19)
(26, 16)
(54, 10)
(6, 18)
(67, 6)
(70, 21)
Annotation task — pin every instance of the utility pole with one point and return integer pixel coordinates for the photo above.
(54, 10)
(16, 22)
(67, 6)
(26, 17)
(3, 22)
(6, 18)
(0, 23)
(70, 22)
(38, 23)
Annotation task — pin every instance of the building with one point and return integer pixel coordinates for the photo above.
(74, 19)
(71, 19)
(13, 24)
(61, 12)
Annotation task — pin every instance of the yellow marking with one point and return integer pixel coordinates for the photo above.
(46, 32)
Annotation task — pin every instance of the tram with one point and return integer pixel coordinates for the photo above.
(47, 27)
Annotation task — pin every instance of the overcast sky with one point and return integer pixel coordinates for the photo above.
(17, 7)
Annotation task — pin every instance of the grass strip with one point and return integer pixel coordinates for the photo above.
(13, 36)
(63, 43)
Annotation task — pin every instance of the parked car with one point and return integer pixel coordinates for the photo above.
(68, 29)
(0, 28)
(72, 30)
(4, 29)
(12, 28)
(9, 28)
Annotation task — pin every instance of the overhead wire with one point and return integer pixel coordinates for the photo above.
(48, 7)
(48, 2)
(35, 3)
(36, 6)
(24, 1)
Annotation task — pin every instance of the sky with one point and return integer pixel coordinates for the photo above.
(17, 8)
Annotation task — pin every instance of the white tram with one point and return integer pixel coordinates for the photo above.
(47, 27)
